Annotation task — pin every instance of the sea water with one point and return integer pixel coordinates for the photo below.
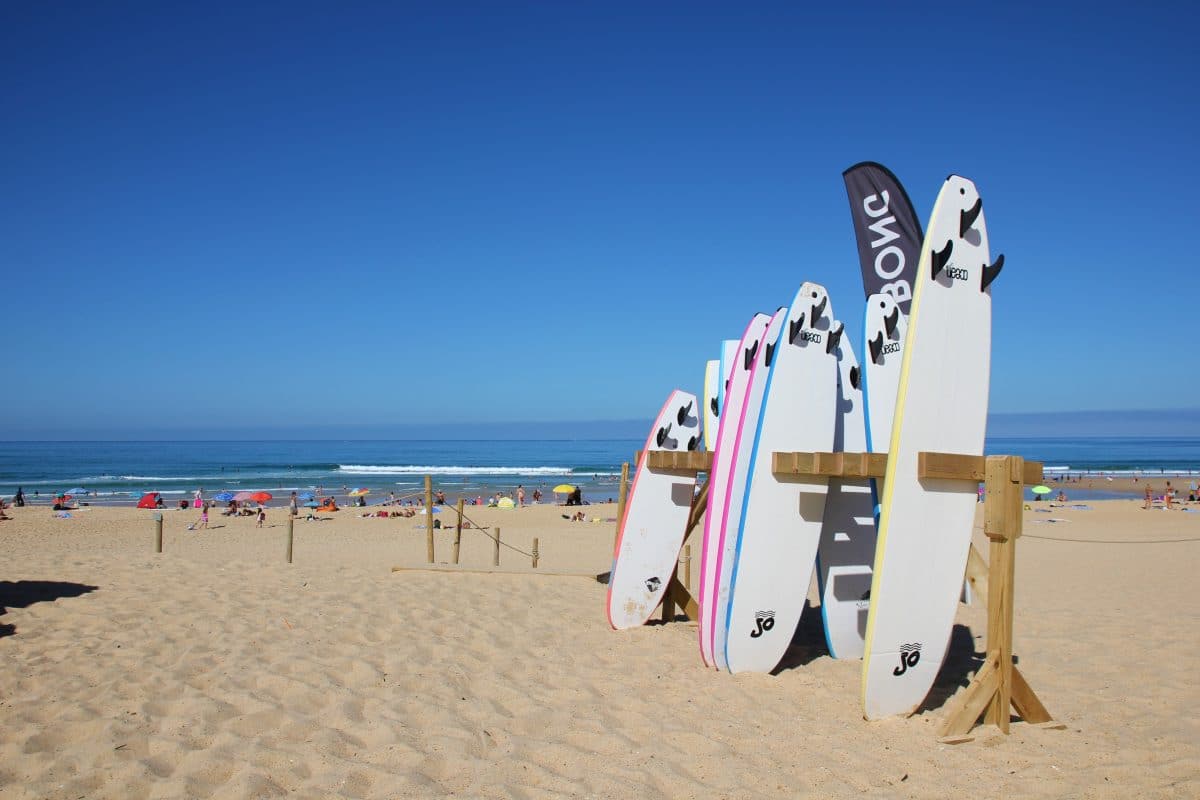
(117, 471)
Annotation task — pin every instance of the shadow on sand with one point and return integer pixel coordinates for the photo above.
(21, 594)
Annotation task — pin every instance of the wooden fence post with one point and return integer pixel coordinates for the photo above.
(496, 549)
(535, 552)
(429, 519)
(158, 532)
(458, 531)
(291, 519)
(622, 496)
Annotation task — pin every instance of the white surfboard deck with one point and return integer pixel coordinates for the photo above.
(712, 383)
(735, 489)
(740, 362)
(729, 351)
(847, 545)
(884, 329)
(925, 525)
(656, 513)
(776, 542)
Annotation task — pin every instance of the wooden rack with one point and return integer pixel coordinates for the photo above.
(998, 683)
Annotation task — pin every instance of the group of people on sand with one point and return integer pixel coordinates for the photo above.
(1168, 495)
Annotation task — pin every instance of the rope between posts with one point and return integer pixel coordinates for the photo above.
(484, 530)
(1111, 541)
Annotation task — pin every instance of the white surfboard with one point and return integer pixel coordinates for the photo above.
(925, 525)
(735, 490)
(847, 545)
(740, 363)
(712, 383)
(729, 351)
(656, 513)
(777, 534)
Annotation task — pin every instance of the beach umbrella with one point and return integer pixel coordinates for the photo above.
(307, 495)
(223, 497)
(312, 504)
(435, 510)
(1041, 490)
(506, 502)
(564, 488)
(261, 497)
(359, 492)
(242, 497)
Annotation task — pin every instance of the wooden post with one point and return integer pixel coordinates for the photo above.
(291, 519)
(998, 684)
(622, 496)
(458, 531)
(496, 549)
(687, 567)
(535, 552)
(158, 532)
(429, 519)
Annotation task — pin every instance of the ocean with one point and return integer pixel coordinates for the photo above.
(114, 472)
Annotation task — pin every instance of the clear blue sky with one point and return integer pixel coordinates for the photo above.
(302, 214)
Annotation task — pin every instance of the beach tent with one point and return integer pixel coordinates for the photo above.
(149, 500)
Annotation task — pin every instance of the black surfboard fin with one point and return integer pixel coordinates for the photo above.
(940, 258)
(716, 408)
(891, 320)
(794, 329)
(835, 337)
(751, 352)
(876, 347)
(683, 413)
(819, 309)
(854, 377)
(662, 435)
(991, 273)
(967, 217)
(692, 442)
(770, 354)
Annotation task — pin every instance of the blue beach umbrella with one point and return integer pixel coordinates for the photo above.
(312, 504)
(223, 497)
(307, 495)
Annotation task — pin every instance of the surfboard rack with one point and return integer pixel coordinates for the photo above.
(998, 683)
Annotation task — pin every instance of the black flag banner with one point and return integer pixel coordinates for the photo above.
(889, 235)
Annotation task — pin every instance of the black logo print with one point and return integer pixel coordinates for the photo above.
(910, 656)
(652, 585)
(763, 622)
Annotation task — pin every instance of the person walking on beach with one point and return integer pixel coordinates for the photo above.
(262, 517)
(293, 506)
(1168, 496)
(203, 522)
(198, 498)
(1149, 496)
(520, 495)
(19, 498)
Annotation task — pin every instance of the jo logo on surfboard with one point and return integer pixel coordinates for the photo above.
(910, 656)
(763, 622)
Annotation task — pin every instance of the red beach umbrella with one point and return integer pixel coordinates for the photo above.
(261, 497)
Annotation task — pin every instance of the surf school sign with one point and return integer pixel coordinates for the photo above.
(886, 228)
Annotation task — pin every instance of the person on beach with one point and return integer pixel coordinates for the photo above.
(1149, 496)
(198, 498)
(520, 495)
(537, 496)
(1168, 496)
(262, 517)
(294, 506)
(19, 498)
(203, 521)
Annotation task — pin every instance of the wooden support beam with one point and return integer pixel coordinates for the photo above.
(1026, 701)
(830, 465)
(683, 598)
(683, 460)
(964, 709)
(956, 466)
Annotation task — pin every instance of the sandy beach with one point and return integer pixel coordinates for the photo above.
(216, 669)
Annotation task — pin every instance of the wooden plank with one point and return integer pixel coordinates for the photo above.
(681, 461)
(977, 572)
(622, 498)
(458, 533)
(1026, 702)
(956, 466)
(831, 465)
(699, 503)
(429, 519)
(684, 599)
(964, 709)
(1002, 525)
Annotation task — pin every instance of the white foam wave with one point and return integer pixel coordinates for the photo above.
(373, 469)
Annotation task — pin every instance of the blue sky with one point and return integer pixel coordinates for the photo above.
(273, 215)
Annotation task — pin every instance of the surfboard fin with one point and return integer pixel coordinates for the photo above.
(819, 309)
(854, 374)
(692, 442)
(662, 435)
(991, 273)
(794, 329)
(876, 347)
(940, 258)
(751, 352)
(890, 321)
(967, 217)
(716, 408)
(683, 413)
(770, 354)
(835, 337)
